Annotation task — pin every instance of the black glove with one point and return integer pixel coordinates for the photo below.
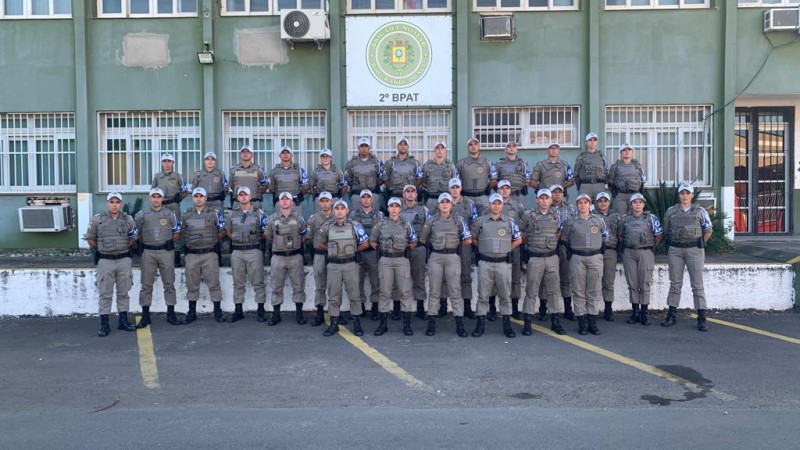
(95, 256)
(701, 243)
(308, 254)
(177, 199)
(524, 190)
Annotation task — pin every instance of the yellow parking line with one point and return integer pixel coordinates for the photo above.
(753, 330)
(147, 356)
(652, 370)
(793, 261)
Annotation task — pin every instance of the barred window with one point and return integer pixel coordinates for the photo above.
(265, 132)
(673, 142)
(131, 144)
(530, 126)
(423, 128)
(35, 9)
(37, 152)
(398, 6)
(657, 4)
(524, 5)
(267, 7)
(146, 8)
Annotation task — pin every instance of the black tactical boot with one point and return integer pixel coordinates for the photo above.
(261, 313)
(407, 324)
(363, 309)
(218, 316)
(396, 310)
(568, 314)
(333, 328)
(342, 318)
(492, 316)
(172, 319)
(468, 313)
(276, 316)
(145, 320)
(319, 317)
(515, 309)
(298, 314)
(382, 328)
(583, 326)
(421, 309)
(643, 319)
(593, 324)
(431, 326)
(191, 315)
(460, 331)
(555, 325)
(608, 312)
(542, 310)
(105, 328)
(442, 307)
(238, 313)
(701, 320)
(357, 330)
(480, 325)
(507, 327)
(634, 318)
(374, 315)
(671, 318)
(526, 327)
(124, 325)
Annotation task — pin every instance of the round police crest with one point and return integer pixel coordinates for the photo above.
(173, 182)
(162, 221)
(501, 232)
(559, 174)
(216, 179)
(480, 170)
(594, 230)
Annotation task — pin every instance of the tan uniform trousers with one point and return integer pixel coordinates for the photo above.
(368, 268)
(621, 203)
(692, 258)
(563, 275)
(587, 283)
(592, 189)
(494, 276)
(443, 268)
(202, 267)
(395, 272)
(346, 274)
(163, 263)
(543, 274)
(609, 274)
(291, 266)
(417, 259)
(111, 273)
(639, 265)
(466, 272)
(320, 280)
(248, 265)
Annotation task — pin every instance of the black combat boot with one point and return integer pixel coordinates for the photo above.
(105, 328)
(407, 324)
(124, 325)
(261, 313)
(671, 318)
(634, 318)
(431, 326)
(608, 312)
(643, 319)
(568, 314)
(583, 326)
(555, 325)
(593, 324)
(145, 320)
(442, 307)
(460, 331)
(396, 310)
(507, 327)
(363, 310)
(238, 313)
(276, 316)
(333, 328)
(515, 309)
(298, 314)
(319, 317)
(172, 319)
(191, 315)
(218, 316)
(701, 320)
(480, 325)
(342, 318)
(374, 315)
(526, 327)
(492, 316)
(357, 330)
(468, 313)
(542, 310)
(421, 309)
(382, 328)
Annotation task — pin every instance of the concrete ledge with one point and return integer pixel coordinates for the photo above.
(49, 292)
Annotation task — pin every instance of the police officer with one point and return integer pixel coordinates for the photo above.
(496, 236)
(625, 178)
(591, 169)
(603, 209)
(639, 232)
(687, 228)
(515, 170)
(567, 212)
(314, 223)
(111, 234)
(174, 188)
(416, 215)
(364, 171)
(465, 208)
(342, 239)
(392, 237)
(541, 229)
(513, 209)
(248, 173)
(552, 170)
(202, 227)
(326, 177)
(478, 175)
(285, 231)
(445, 234)
(585, 236)
(401, 170)
(160, 229)
(216, 185)
(436, 173)
(367, 214)
(288, 176)
(245, 228)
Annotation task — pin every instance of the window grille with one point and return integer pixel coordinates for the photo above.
(35, 9)
(524, 5)
(146, 8)
(267, 7)
(423, 128)
(398, 6)
(656, 4)
(530, 126)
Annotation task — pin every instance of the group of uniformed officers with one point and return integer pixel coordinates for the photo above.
(439, 219)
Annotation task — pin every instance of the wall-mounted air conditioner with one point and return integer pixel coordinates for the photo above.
(45, 219)
(781, 19)
(305, 25)
(497, 27)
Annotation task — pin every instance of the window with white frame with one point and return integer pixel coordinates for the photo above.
(657, 4)
(267, 7)
(131, 145)
(35, 9)
(767, 3)
(398, 6)
(265, 132)
(422, 128)
(37, 152)
(524, 5)
(147, 8)
(530, 126)
(673, 143)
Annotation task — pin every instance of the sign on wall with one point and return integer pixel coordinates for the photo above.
(399, 61)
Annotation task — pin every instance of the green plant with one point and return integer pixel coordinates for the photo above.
(131, 210)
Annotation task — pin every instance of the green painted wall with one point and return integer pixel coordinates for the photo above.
(781, 74)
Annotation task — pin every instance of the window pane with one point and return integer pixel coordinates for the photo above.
(14, 8)
(563, 3)
(62, 6)
(259, 5)
(412, 4)
(640, 2)
(615, 2)
(384, 4)
(165, 6)
(510, 3)
(359, 4)
(45, 163)
(486, 3)
(537, 3)
(669, 2)
(311, 4)
(66, 163)
(187, 6)
(437, 3)
(140, 6)
(40, 7)
(18, 163)
(694, 2)
(234, 5)
(287, 4)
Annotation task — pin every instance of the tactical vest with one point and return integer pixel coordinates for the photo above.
(513, 171)
(464, 208)
(156, 226)
(112, 234)
(684, 226)
(210, 181)
(286, 179)
(445, 233)
(249, 177)
(200, 229)
(627, 177)
(552, 173)
(393, 235)
(171, 183)
(367, 220)
(540, 231)
(637, 231)
(612, 221)
(326, 180)
(494, 237)
(315, 223)
(437, 176)
(401, 172)
(592, 167)
(474, 174)
(415, 215)
(245, 228)
(513, 209)
(365, 173)
(342, 242)
(587, 235)
(285, 232)
(565, 210)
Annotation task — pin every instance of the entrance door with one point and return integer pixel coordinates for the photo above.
(763, 171)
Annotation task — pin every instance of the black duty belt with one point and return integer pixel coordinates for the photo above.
(215, 197)
(320, 252)
(446, 251)
(245, 247)
(587, 253)
(627, 192)
(474, 194)
(392, 255)
(542, 254)
(368, 249)
(341, 260)
(199, 251)
(639, 248)
(517, 192)
(166, 246)
(503, 259)
(120, 256)
(683, 244)
(289, 253)
(593, 181)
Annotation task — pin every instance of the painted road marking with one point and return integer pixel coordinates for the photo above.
(147, 356)
(652, 370)
(793, 261)
(752, 330)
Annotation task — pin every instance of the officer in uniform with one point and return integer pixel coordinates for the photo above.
(603, 209)
(174, 188)
(591, 169)
(326, 177)
(515, 170)
(401, 170)
(687, 228)
(585, 236)
(496, 236)
(541, 230)
(436, 173)
(639, 232)
(364, 172)
(478, 175)
(416, 215)
(552, 170)
(315, 222)
(465, 208)
(566, 212)
(245, 228)
(513, 209)
(342, 239)
(202, 228)
(248, 173)
(216, 185)
(285, 232)
(367, 214)
(625, 178)
(392, 237)
(288, 176)
(445, 234)
(110, 235)
(159, 230)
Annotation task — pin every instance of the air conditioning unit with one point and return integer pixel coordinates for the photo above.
(706, 200)
(781, 19)
(497, 27)
(45, 219)
(305, 25)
